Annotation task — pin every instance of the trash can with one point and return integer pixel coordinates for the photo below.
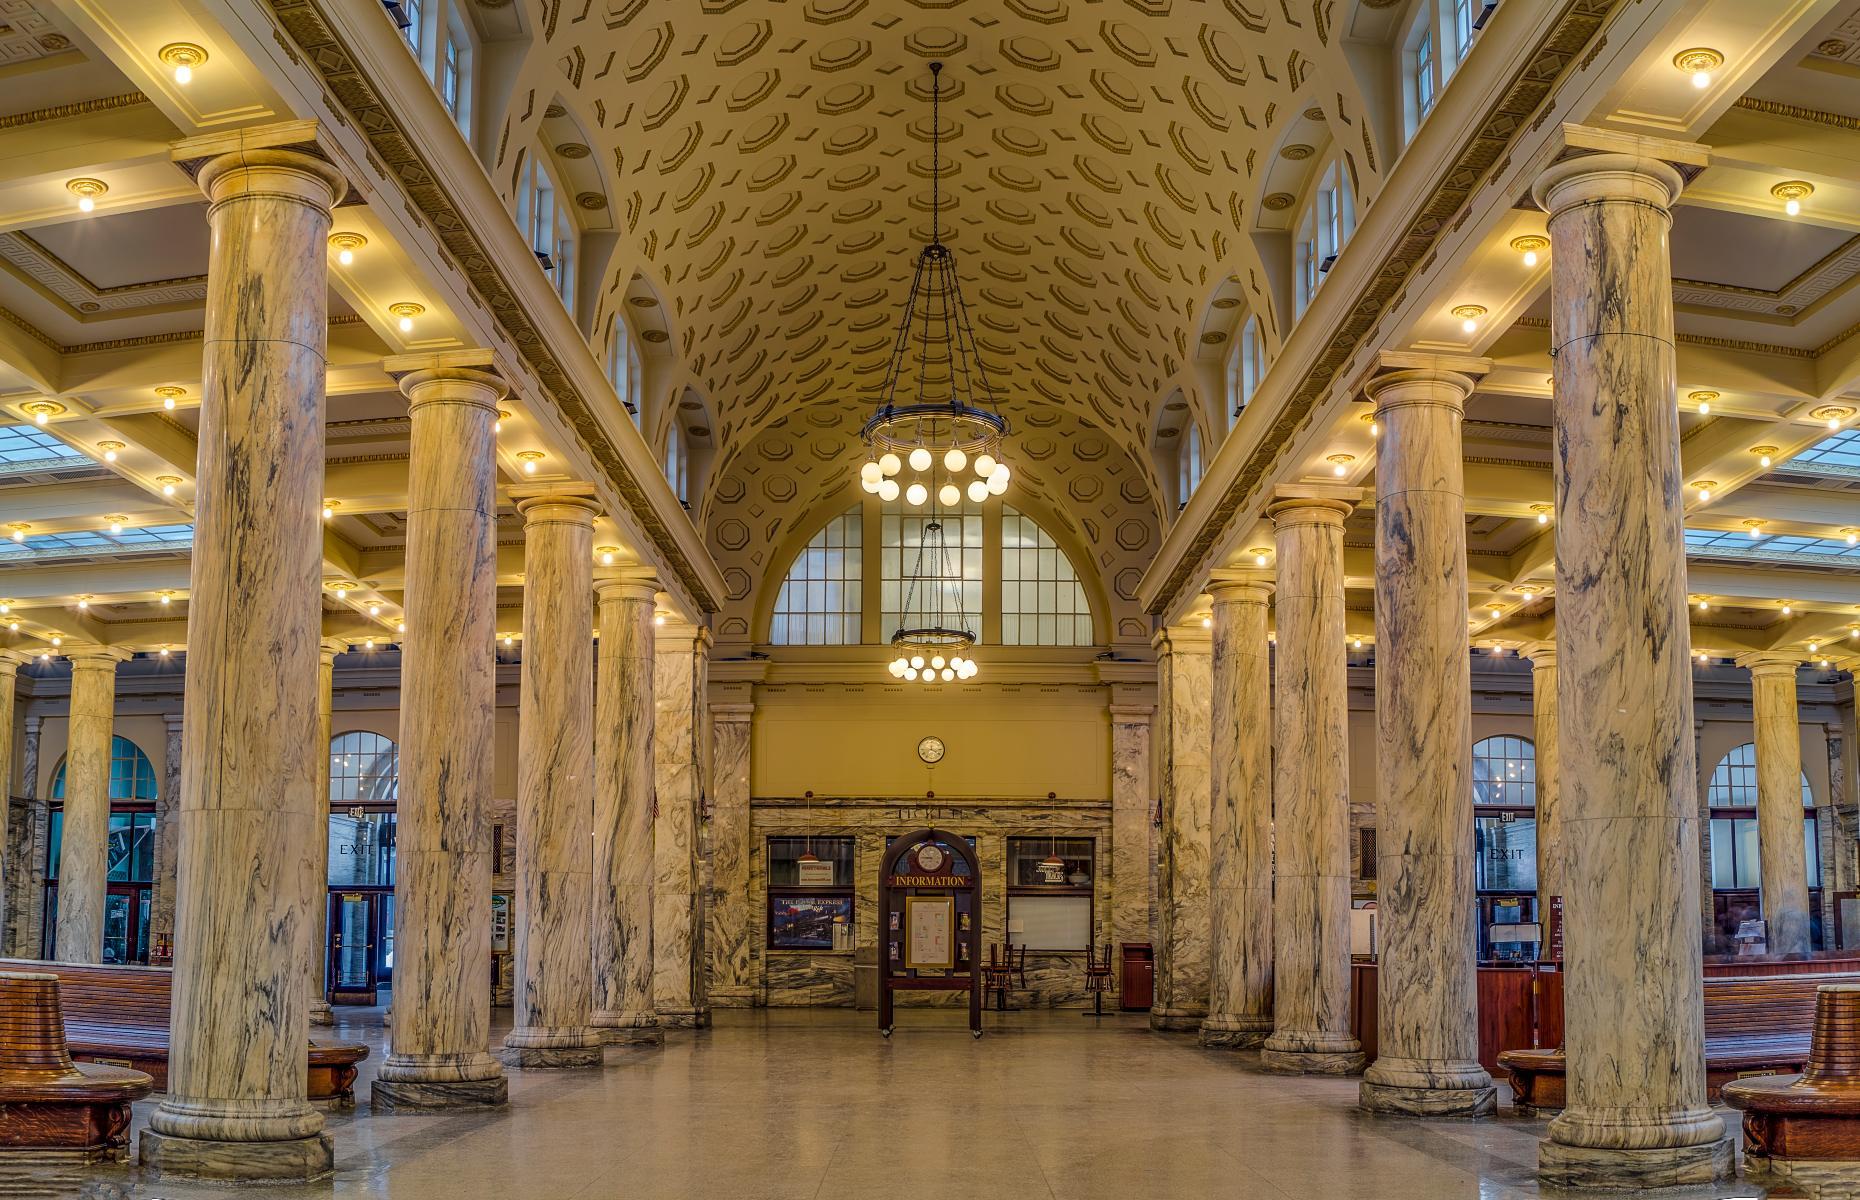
(1138, 985)
(865, 978)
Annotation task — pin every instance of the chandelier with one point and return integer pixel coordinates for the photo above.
(949, 429)
(932, 642)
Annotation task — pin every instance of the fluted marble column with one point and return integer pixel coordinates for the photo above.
(731, 928)
(1633, 1007)
(554, 1000)
(1542, 656)
(1133, 859)
(1183, 682)
(1240, 825)
(1427, 1000)
(84, 846)
(680, 664)
(235, 1107)
(167, 823)
(439, 1032)
(315, 966)
(1311, 790)
(1782, 849)
(623, 862)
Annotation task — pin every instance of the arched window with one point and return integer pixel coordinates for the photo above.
(677, 463)
(364, 768)
(1732, 798)
(820, 599)
(902, 539)
(1188, 464)
(1504, 786)
(1042, 601)
(549, 226)
(1505, 771)
(132, 776)
(623, 366)
(1324, 225)
(1246, 367)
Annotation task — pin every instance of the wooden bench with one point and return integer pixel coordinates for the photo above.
(1753, 1026)
(51, 1108)
(118, 1016)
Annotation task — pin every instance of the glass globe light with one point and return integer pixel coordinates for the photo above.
(916, 494)
(929, 676)
(948, 674)
(978, 490)
(997, 483)
(910, 672)
(871, 473)
(949, 494)
(984, 465)
(896, 668)
(888, 490)
(871, 485)
(956, 661)
(936, 661)
(920, 459)
(917, 661)
(955, 460)
(889, 464)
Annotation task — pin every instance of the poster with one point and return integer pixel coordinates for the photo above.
(929, 932)
(500, 923)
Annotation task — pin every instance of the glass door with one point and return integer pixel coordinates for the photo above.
(352, 943)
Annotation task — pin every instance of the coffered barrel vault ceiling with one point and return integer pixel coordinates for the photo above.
(1103, 168)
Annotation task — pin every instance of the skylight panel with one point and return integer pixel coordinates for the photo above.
(24, 444)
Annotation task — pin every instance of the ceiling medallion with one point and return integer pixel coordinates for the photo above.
(1297, 152)
(951, 421)
(1279, 201)
(935, 634)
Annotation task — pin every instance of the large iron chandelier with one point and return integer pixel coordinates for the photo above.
(934, 637)
(950, 430)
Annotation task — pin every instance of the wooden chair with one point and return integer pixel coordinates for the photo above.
(1097, 978)
(1018, 956)
(997, 975)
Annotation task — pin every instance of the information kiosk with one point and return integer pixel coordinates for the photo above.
(930, 905)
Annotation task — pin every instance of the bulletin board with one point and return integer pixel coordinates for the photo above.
(930, 935)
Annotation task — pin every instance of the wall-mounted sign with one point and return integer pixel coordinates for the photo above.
(929, 932)
(814, 872)
(500, 922)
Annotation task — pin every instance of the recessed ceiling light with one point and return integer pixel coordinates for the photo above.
(1469, 316)
(86, 190)
(1699, 62)
(1792, 192)
(183, 57)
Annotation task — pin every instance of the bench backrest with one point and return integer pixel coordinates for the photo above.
(130, 997)
(1768, 1005)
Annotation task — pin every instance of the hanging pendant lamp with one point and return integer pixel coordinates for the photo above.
(934, 639)
(942, 436)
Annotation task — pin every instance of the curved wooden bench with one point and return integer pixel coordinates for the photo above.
(333, 1071)
(1537, 1078)
(47, 1102)
(1798, 1125)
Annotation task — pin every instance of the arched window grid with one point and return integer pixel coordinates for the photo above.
(820, 602)
(1504, 771)
(1731, 795)
(364, 768)
(1042, 601)
(1189, 466)
(132, 775)
(900, 542)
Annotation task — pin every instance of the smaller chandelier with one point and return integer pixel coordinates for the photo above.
(949, 432)
(933, 642)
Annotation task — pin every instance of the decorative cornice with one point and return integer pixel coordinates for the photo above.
(1577, 24)
(81, 108)
(1796, 112)
(358, 100)
(128, 343)
(1717, 343)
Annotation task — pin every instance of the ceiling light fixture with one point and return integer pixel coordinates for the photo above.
(1704, 658)
(952, 414)
(1704, 604)
(1543, 512)
(1699, 62)
(169, 395)
(529, 459)
(1852, 536)
(1340, 464)
(1530, 246)
(345, 244)
(1832, 415)
(42, 411)
(1754, 527)
(168, 483)
(1704, 487)
(116, 522)
(19, 529)
(167, 597)
(1764, 455)
(607, 554)
(1792, 192)
(1788, 609)
(110, 450)
(497, 426)
(406, 310)
(86, 190)
(330, 507)
(1703, 400)
(183, 57)
(83, 602)
(934, 635)
(1469, 316)
(1259, 554)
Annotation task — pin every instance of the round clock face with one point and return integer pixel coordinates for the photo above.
(930, 858)
(931, 749)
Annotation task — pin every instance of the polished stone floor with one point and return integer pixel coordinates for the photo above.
(815, 1104)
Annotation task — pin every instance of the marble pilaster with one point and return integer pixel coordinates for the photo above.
(10, 662)
(1782, 850)
(439, 1031)
(623, 860)
(1240, 823)
(84, 845)
(1184, 672)
(1633, 999)
(554, 997)
(680, 664)
(1542, 656)
(1311, 789)
(731, 929)
(1427, 1023)
(1133, 858)
(27, 926)
(316, 965)
(235, 1108)
(167, 830)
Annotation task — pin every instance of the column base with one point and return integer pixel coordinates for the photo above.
(627, 1028)
(422, 1095)
(735, 997)
(321, 1013)
(1622, 1170)
(1395, 1100)
(1307, 1052)
(301, 1160)
(552, 1047)
(1221, 1031)
(685, 1018)
(1177, 1020)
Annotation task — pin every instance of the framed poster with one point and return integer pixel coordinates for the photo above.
(929, 933)
(500, 922)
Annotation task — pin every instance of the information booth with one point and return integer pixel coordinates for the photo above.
(930, 906)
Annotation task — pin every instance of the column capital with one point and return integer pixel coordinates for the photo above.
(330, 647)
(1542, 655)
(548, 504)
(12, 660)
(172, 721)
(732, 711)
(95, 657)
(1131, 714)
(698, 636)
(1399, 377)
(1183, 639)
(1313, 503)
(1589, 164)
(631, 581)
(1240, 586)
(448, 377)
(284, 155)
(1767, 663)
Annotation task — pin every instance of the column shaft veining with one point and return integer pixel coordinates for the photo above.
(1633, 1007)
(1542, 656)
(84, 845)
(1133, 855)
(623, 861)
(1240, 824)
(554, 997)
(680, 664)
(10, 661)
(1311, 789)
(235, 1107)
(731, 928)
(1183, 682)
(1782, 847)
(167, 822)
(1427, 1000)
(317, 963)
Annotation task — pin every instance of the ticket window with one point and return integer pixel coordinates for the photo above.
(1050, 892)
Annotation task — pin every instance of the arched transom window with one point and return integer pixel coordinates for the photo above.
(819, 601)
(364, 768)
(1042, 601)
(1504, 786)
(1732, 797)
(132, 776)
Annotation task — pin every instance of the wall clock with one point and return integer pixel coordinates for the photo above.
(932, 750)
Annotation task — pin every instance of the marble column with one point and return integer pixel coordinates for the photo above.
(1542, 656)
(680, 663)
(316, 965)
(28, 924)
(1133, 857)
(1782, 848)
(1183, 685)
(439, 1033)
(167, 833)
(554, 1002)
(731, 928)
(1240, 825)
(84, 845)
(623, 861)
(1427, 994)
(1633, 998)
(10, 662)
(1311, 789)
(235, 1107)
